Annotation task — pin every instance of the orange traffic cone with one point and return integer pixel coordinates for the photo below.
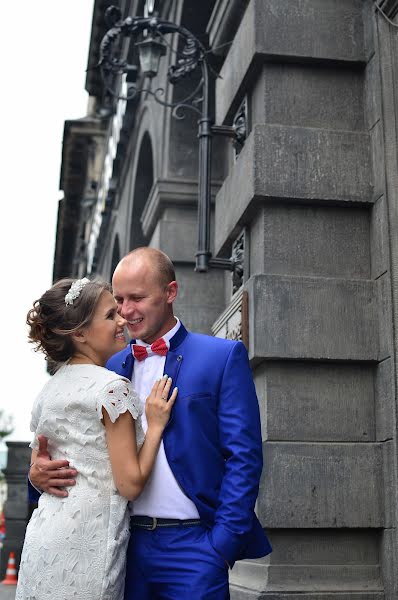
(11, 572)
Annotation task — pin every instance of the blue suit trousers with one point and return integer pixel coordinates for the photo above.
(174, 563)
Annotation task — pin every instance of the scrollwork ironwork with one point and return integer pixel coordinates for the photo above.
(192, 55)
(149, 35)
(187, 63)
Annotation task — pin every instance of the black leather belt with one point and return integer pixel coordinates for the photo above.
(152, 523)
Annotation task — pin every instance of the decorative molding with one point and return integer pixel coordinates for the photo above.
(238, 258)
(240, 125)
(170, 192)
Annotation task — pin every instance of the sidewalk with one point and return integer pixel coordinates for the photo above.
(7, 592)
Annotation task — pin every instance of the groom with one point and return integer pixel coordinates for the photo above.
(195, 517)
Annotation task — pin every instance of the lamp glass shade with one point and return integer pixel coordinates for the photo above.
(150, 51)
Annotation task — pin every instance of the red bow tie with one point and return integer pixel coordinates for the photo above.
(160, 347)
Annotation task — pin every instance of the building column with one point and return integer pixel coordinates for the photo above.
(16, 508)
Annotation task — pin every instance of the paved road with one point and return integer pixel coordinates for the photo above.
(7, 592)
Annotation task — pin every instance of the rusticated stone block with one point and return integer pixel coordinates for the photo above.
(308, 95)
(319, 241)
(176, 233)
(322, 485)
(311, 401)
(312, 318)
(299, 30)
(292, 163)
(195, 306)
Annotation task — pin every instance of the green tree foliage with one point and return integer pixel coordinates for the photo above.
(6, 424)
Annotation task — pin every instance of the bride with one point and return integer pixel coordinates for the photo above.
(75, 546)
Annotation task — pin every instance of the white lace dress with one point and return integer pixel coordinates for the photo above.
(75, 547)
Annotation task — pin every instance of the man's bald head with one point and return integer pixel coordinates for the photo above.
(156, 260)
(144, 288)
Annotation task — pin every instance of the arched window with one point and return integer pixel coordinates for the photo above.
(142, 188)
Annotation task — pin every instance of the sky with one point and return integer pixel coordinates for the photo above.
(43, 56)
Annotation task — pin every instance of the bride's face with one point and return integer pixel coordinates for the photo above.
(105, 334)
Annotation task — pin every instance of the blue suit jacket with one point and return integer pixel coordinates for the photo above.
(213, 439)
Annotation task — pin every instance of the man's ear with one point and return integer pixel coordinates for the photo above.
(172, 290)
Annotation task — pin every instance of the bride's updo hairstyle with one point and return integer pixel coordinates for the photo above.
(53, 318)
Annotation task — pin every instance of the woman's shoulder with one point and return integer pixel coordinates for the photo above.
(77, 381)
(92, 374)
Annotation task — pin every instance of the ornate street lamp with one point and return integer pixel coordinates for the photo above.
(150, 51)
(149, 36)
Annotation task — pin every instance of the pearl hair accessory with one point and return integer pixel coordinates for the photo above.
(75, 289)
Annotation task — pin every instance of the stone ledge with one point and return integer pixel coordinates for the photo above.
(311, 30)
(305, 578)
(239, 593)
(301, 164)
(170, 192)
(312, 318)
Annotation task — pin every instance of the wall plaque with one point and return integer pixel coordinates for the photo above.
(233, 323)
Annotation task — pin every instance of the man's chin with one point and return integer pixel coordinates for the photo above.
(135, 333)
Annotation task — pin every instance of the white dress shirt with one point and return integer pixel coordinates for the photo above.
(162, 495)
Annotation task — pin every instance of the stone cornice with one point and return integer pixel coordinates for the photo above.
(77, 135)
(169, 192)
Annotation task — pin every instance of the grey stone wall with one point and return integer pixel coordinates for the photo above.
(309, 186)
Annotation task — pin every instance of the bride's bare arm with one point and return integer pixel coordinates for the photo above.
(131, 469)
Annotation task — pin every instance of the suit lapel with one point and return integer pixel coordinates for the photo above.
(174, 356)
(172, 365)
(128, 364)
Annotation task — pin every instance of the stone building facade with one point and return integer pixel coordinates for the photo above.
(312, 200)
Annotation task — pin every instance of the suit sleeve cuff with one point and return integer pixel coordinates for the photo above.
(226, 543)
(33, 492)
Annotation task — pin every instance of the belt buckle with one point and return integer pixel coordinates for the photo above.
(154, 524)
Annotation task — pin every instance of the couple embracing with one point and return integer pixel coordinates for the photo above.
(189, 460)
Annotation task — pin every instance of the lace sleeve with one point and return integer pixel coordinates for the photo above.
(118, 397)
